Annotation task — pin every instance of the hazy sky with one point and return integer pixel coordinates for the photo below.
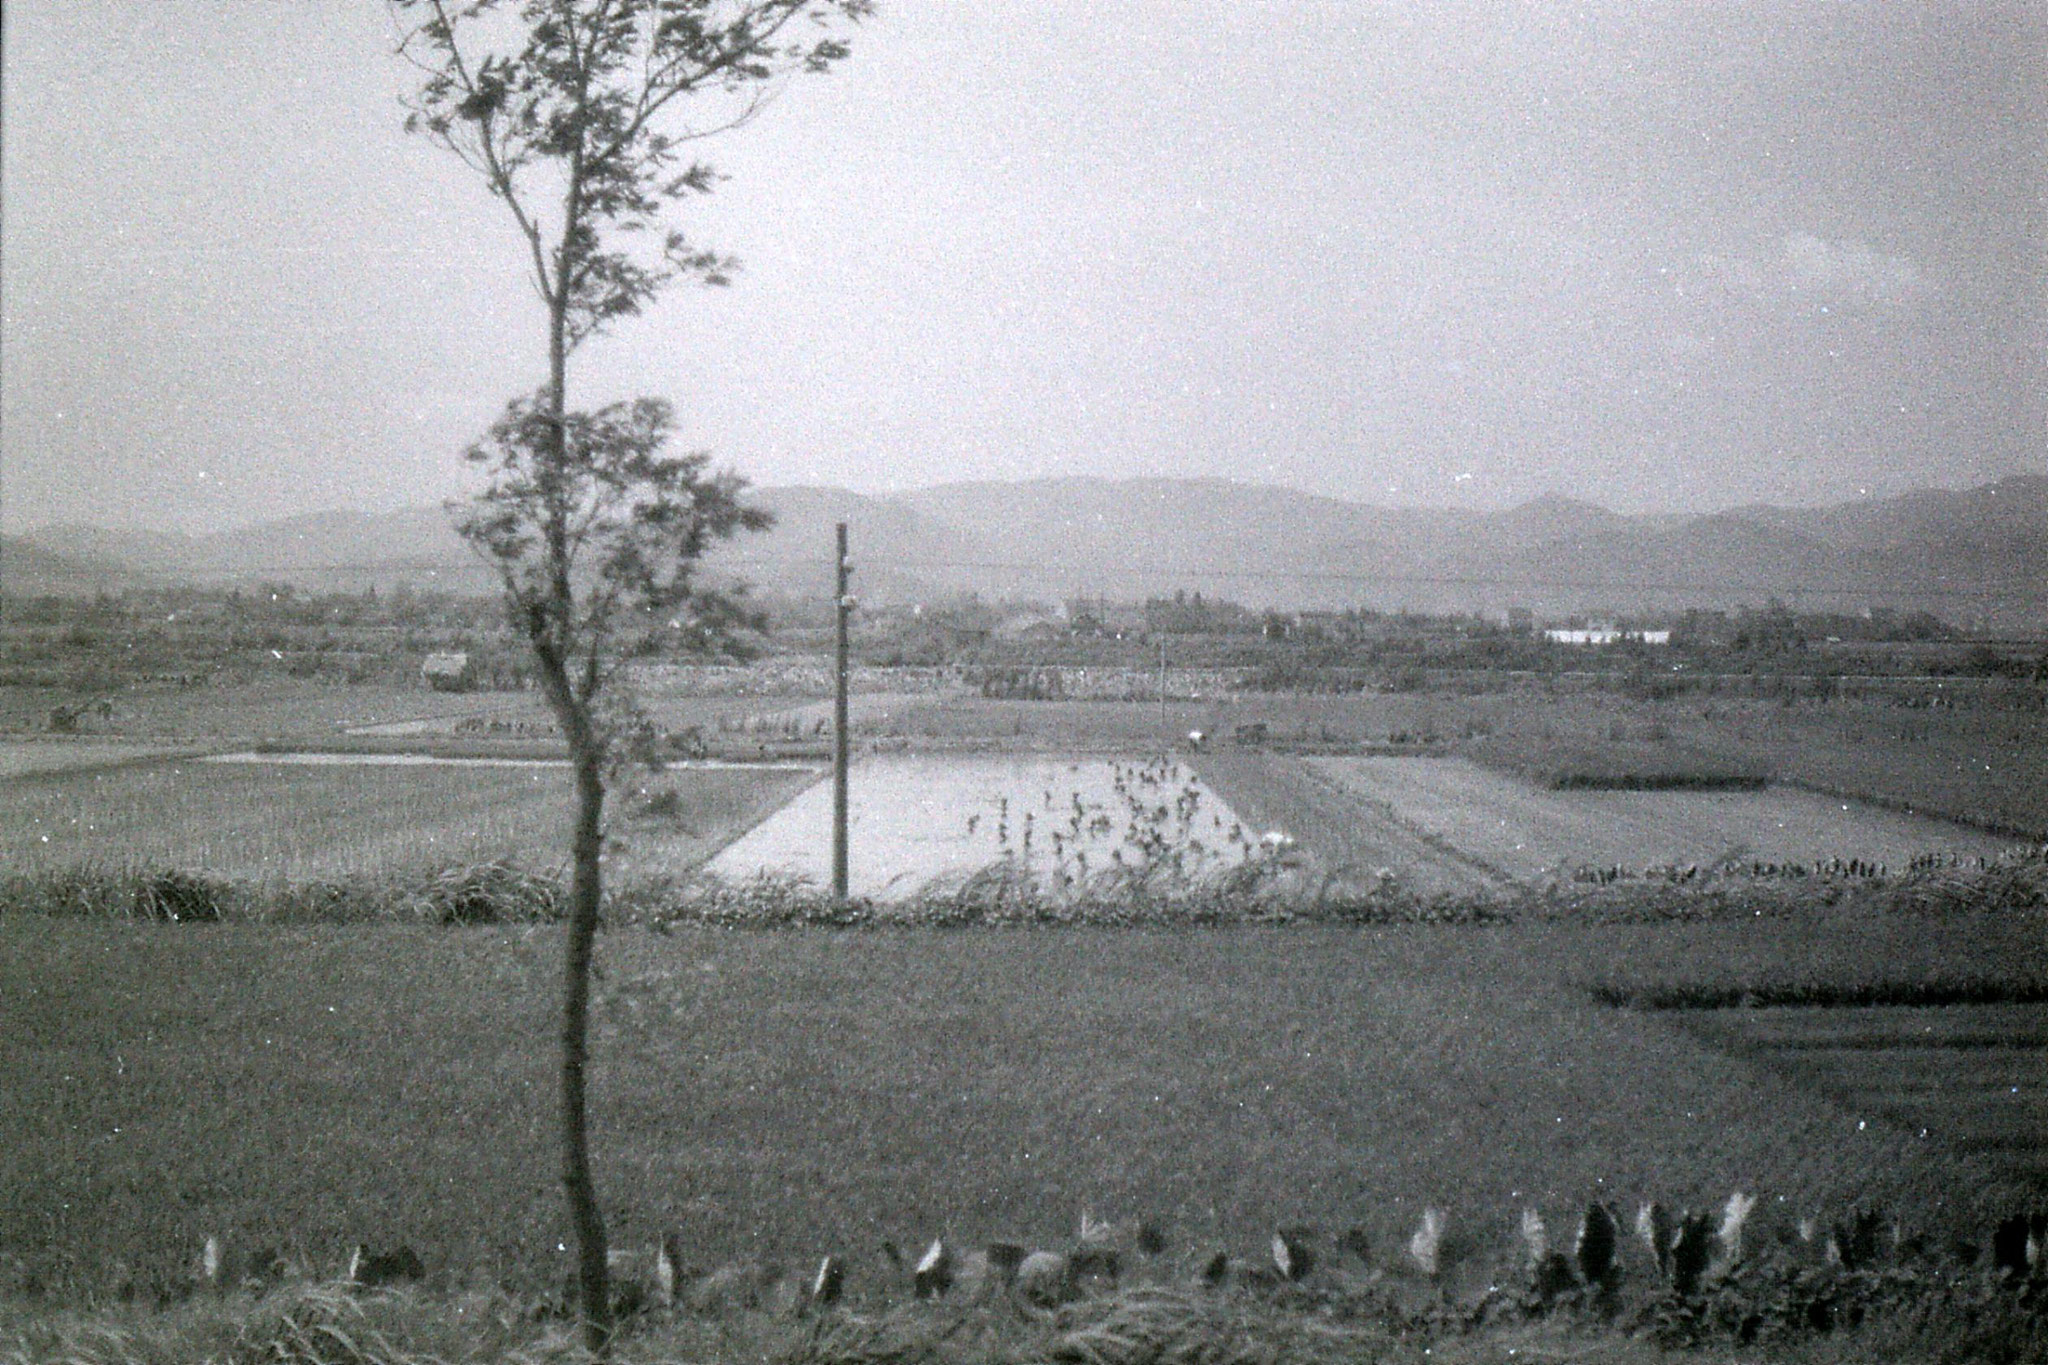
(1658, 256)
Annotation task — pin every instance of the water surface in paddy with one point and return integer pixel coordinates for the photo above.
(917, 821)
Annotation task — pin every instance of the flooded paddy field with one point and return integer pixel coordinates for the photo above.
(917, 822)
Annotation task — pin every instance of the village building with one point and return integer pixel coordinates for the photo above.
(449, 672)
(1605, 635)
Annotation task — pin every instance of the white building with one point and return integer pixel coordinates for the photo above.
(1606, 635)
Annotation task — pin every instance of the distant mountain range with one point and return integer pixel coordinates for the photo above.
(1975, 556)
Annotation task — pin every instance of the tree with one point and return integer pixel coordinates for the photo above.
(572, 113)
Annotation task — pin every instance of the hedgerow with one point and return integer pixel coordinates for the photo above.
(1261, 891)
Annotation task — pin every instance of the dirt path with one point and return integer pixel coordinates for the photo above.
(1352, 836)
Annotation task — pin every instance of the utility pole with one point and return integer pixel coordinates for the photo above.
(843, 608)
(1165, 739)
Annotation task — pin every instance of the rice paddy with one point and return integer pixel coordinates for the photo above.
(919, 823)
(273, 820)
(1529, 831)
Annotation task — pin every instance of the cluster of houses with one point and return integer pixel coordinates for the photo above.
(1191, 614)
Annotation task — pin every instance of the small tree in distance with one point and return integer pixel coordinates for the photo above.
(571, 111)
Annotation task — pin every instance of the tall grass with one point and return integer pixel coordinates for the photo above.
(459, 893)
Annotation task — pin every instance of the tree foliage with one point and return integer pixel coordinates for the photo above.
(634, 522)
(572, 118)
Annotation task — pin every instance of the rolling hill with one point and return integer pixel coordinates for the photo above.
(1976, 555)
(28, 569)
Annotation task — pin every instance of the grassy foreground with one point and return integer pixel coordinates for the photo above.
(1151, 1324)
(781, 1095)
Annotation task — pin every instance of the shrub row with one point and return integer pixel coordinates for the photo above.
(473, 893)
(1263, 890)
(1568, 765)
(1967, 990)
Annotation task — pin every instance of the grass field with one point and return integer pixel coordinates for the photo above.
(1979, 763)
(781, 1095)
(296, 708)
(1343, 721)
(1986, 765)
(1527, 831)
(290, 821)
(23, 757)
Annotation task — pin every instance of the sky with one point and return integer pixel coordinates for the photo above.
(1662, 257)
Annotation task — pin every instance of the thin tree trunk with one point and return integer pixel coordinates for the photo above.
(586, 895)
(585, 890)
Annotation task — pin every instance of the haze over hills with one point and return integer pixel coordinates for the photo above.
(1975, 556)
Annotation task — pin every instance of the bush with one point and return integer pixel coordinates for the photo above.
(1618, 764)
(489, 893)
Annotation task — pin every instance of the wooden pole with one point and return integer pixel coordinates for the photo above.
(1165, 739)
(843, 605)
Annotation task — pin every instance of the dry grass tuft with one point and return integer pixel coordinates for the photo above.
(305, 1324)
(1151, 1326)
(489, 893)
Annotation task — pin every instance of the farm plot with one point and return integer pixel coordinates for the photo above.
(1352, 841)
(1055, 726)
(526, 715)
(1526, 831)
(1972, 1079)
(280, 706)
(1983, 764)
(298, 820)
(18, 758)
(918, 822)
